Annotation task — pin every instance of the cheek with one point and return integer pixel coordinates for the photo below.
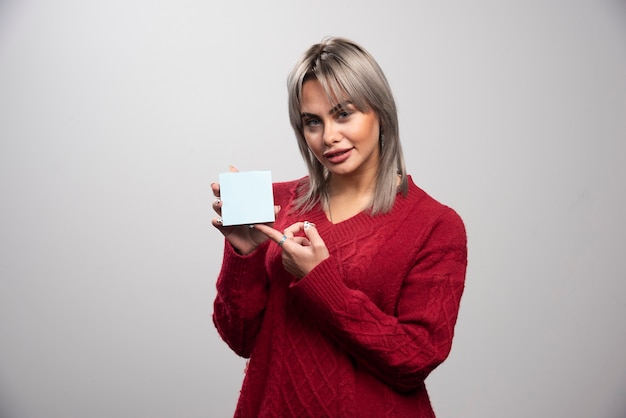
(313, 142)
(371, 131)
(363, 135)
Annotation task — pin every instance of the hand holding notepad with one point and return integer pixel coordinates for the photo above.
(247, 197)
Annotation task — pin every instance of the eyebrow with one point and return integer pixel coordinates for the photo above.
(332, 111)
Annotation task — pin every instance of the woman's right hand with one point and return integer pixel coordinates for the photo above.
(243, 238)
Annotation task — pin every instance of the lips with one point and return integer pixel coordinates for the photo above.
(338, 156)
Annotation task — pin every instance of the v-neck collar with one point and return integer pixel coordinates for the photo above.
(360, 221)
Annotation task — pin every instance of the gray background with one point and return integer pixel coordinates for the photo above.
(115, 117)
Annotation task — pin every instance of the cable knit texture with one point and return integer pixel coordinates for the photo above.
(358, 335)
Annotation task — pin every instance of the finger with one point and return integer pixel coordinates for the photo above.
(303, 241)
(270, 232)
(293, 229)
(310, 230)
(217, 222)
(215, 188)
(217, 206)
(232, 169)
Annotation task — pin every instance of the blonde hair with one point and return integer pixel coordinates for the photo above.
(345, 70)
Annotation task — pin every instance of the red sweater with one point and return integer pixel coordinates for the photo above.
(358, 335)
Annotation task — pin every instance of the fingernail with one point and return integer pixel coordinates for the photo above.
(219, 220)
(308, 224)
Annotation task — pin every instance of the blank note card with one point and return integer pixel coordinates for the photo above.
(247, 197)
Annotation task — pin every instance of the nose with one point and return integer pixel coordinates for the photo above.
(331, 134)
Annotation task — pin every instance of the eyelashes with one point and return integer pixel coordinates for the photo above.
(311, 122)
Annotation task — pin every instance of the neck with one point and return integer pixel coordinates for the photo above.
(352, 186)
(348, 196)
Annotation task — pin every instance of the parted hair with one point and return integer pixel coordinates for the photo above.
(346, 71)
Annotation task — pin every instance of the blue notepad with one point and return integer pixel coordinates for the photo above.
(247, 197)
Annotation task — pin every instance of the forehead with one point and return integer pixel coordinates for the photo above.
(314, 96)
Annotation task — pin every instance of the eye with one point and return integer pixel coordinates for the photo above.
(343, 114)
(311, 122)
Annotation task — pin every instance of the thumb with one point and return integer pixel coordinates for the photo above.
(320, 251)
(312, 234)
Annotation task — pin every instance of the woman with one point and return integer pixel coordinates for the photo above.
(348, 302)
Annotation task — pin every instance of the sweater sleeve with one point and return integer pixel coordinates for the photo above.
(402, 348)
(242, 293)
(243, 288)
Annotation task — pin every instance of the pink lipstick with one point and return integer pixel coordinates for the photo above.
(338, 156)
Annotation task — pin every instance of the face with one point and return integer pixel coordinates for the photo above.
(342, 138)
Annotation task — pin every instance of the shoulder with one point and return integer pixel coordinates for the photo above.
(424, 209)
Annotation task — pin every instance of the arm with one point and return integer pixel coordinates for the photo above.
(242, 291)
(242, 287)
(401, 348)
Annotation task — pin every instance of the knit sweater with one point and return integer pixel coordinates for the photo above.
(357, 336)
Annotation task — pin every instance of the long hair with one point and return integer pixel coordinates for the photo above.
(346, 70)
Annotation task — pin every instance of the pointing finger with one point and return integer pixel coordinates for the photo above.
(270, 232)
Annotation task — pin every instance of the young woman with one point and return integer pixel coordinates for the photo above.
(349, 300)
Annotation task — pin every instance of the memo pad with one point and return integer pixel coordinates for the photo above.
(247, 197)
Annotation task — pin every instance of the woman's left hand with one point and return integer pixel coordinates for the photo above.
(301, 254)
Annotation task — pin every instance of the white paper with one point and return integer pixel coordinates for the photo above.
(247, 197)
